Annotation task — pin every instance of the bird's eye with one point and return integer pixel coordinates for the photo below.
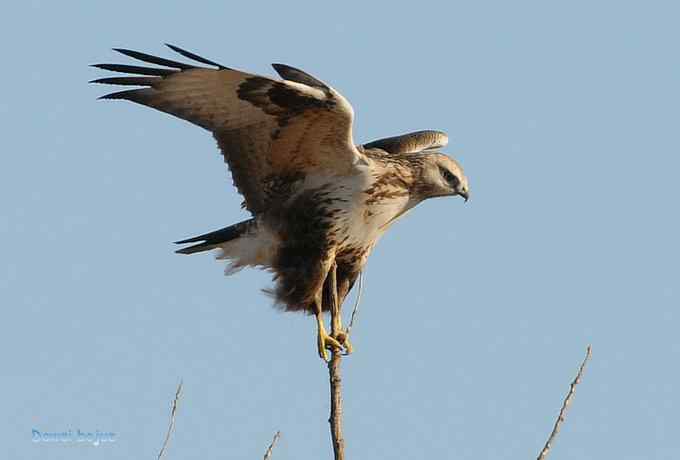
(450, 178)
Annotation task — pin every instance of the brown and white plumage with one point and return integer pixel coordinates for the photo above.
(317, 199)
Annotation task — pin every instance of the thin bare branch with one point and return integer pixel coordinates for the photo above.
(357, 302)
(271, 446)
(335, 378)
(171, 426)
(563, 411)
(336, 406)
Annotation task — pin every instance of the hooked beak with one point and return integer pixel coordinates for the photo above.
(465, 194)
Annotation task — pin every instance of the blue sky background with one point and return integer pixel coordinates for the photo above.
(475, 317)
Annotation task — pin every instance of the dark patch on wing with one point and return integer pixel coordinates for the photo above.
(279, 100)
(287, 97)
(253, 90)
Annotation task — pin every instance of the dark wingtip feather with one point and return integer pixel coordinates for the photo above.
(134, 69)
(194, 249)
(190, 240)
(291, 73)
(127, 81)
(129, 95)
(153, 59)
(195, 57)
(200, 247)
(211, 240)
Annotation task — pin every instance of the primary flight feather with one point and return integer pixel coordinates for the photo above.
(319, 202)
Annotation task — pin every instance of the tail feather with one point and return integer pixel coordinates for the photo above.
(212, 240)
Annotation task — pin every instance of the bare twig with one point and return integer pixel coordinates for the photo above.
(171, 426)
(563, 410)
(336, 406)
(335, 418)
(271, 446)
(357, 302)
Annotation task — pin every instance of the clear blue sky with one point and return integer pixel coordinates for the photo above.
(475, 317)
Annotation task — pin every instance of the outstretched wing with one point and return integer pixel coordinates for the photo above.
(415, 142)
(266, 129)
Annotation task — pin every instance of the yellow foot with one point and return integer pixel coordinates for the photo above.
(343, 339)
(325, 342)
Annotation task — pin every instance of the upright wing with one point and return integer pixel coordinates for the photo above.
(266, 129)
(410, 143)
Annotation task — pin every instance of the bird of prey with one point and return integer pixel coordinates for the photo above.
(319, 203)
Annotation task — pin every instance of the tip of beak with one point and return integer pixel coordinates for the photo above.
(465, 195)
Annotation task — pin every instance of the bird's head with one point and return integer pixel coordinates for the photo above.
(441, 176)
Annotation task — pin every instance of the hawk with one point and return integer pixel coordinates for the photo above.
(319, 203)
